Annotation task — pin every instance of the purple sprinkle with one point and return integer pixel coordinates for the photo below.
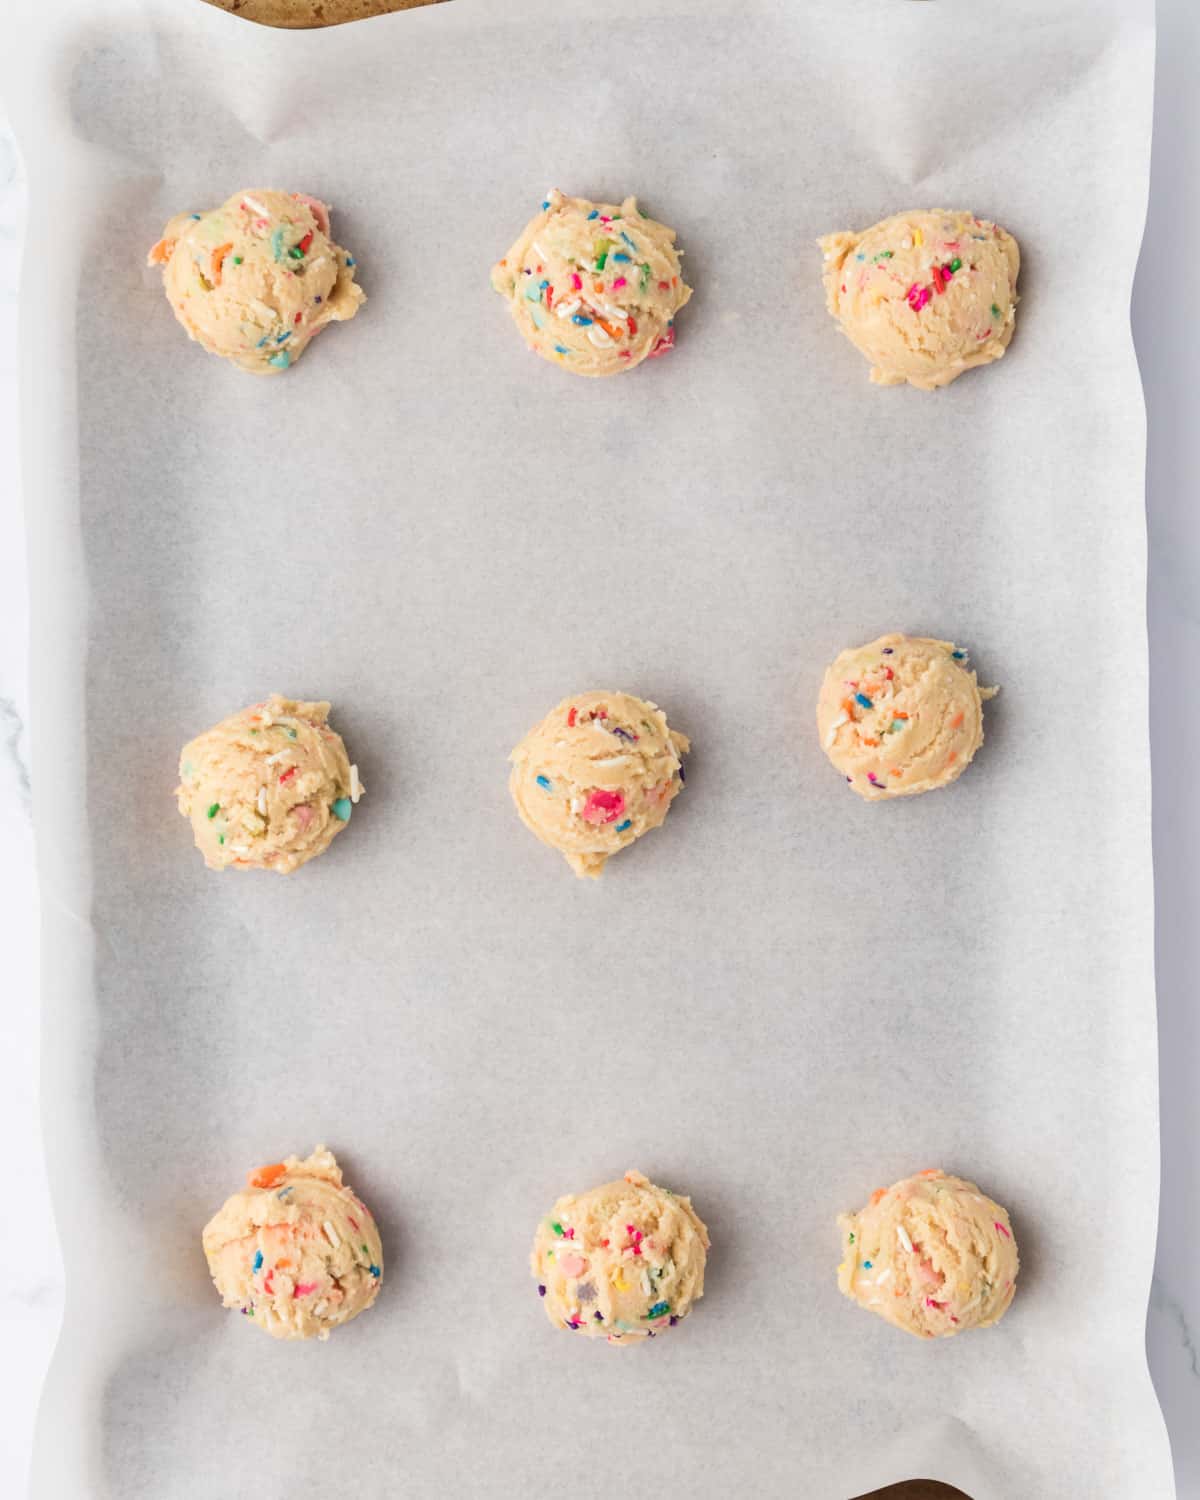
(541, 1290)
(673, 1321)
(624, 734)
(682, 777)
(317, 299)
(599, 1317)
(887, 650)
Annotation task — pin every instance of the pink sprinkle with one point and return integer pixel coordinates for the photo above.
(575, 281)
(606, 218)
(996, 1224)
(573, 1265)
(304, 1289)
(982, 335)
(918, 296)
(665, 343)
(353, 1222)
(929, 1302)
(620, 281)
(603, 807)
(569, 1234)
(303, 814)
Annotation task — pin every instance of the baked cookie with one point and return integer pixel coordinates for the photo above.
(622, 1262)
(600, 770)
(593, 287)
(931, 1255)
(901, 715)
(296, 1251)
(924, 295)
(258, 278)
(267, 788)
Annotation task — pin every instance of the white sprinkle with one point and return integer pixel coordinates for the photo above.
(262, 800)
(906, 242)
(267, 720)
(596, 335)
(331, 1234)
(266, 315)
(902, 1236)
(576, 804)
(239, 848)
(606, 307)
(541, 254)
(646, 1287)
(565, 309)
(883, 1276)
(254, 204)
(356, 786)
(320, 1308)
(842, 718)
(279, 755)
(875, 1302)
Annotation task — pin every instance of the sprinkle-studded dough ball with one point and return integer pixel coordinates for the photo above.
(296, 1251)
(599, 771)
(257, 278)
(931, 1255)
(924, 295)
(593, 287)
(622, 1262)
(901, 715)
(267, 788)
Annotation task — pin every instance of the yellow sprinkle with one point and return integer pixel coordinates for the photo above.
(918, 238)
(619, 1282)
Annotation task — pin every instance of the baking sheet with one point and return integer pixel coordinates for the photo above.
(780, 1001)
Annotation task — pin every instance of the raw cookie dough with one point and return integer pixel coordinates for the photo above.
(599, 771)
(267, 788)
(622, 1262)
(593, 287)
(901, 715)
(924, 295)
(296, 1251)
(257, 278)
(931, 1255)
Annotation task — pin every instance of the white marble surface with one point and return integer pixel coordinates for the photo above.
(31, 1287)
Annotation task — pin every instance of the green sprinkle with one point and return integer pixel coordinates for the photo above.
(885, 255)
(601, 252)
(365, 1251)
(342, 809)
(214, 810)
(254, 731)
(659, 1310)
(852, 1239)
(281, 361)
(557, 1228)
(188, 768)
(237, 260)
(220, 838)
(645, 281)
(291, 734)
(296, 253)
(995, 311)
(956, 263)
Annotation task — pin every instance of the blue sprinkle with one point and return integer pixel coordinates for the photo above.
(558, 349)
(262, 340)
(867, 1265)
(860, 256)
(280, 360)
(341, 809)
(283, 1192)
(283, 337)
(628, 823)
(595, 214)
(546, 203)
(195, 216)
(258, 1260)
(864, 700)
(277, 244)
(628, 241)
(350, 261)
(621, 256)
(374, 1270)
(958, 655)
(580, 319)
(659, 1309)
(544, 783)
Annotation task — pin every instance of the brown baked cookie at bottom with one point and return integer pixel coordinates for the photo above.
(302, 13)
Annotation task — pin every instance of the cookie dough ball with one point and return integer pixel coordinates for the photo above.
(296, 1251)
(600, 770)
(622, 1262)
(924, 295)
(593, 287)
(267, 788)
(902, 715)
(256, 279)
(931, 1255)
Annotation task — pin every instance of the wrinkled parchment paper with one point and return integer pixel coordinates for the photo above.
(781, 1001)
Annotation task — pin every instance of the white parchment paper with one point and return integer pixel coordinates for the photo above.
(781, 1001)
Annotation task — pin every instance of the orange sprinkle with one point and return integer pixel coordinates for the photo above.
(898, 715)
(848, 706)
(894, 772)
(265, 1177)
(929, 1172)
(283, 1263)
(865, 740)
(597, 286)
(956, 721)
(162, 252)
(613, 332)
(877, 1194)
(953, 757)
(218, 260)
(504, 262)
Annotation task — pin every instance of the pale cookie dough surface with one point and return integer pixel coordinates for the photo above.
(593, 287)
(267, 788)
(600, 770)
(296, 1252)
(924, 295)
(901, 715)
(932, 1255)
(258, 278)
(622, 1262)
